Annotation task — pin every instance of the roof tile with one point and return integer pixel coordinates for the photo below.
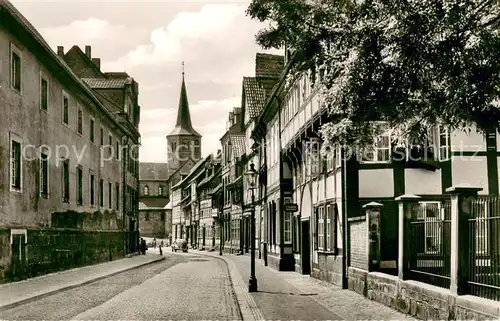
(238, 145)
(104, 83)
(268, 66)
(153, 171)
(255, 95)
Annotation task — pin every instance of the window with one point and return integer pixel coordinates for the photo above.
(444, 143)
(44, 174)
(197, 148)
(163, 216)
(65, 107)
(16, 165)
(92, 189)
(65, 176)
(431, 214)
(79, 125)
(117, 195)
(146, 190)
(321, 227)
(102, 137)
(92, 130)
(287, 231)
(101, 193)
(117, 149)
(160, 190)
(110, 195)
(174, 146)
(110, 143)
(147, 216)
(380, 152)
(287, 223)
(44, 93)
(79, 173)
(15, 70)
(313, 158)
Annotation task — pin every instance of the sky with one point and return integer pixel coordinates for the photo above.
(149, 40)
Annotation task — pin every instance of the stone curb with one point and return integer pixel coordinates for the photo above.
(63, 288)
(248, 308)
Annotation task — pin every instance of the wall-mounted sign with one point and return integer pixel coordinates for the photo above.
(291, 208)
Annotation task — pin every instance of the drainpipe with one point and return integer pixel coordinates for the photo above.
(345, 234)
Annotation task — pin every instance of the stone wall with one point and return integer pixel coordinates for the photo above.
(329, 268)
(358, 240)
(152, 223)
(423, 301)
(49, 250)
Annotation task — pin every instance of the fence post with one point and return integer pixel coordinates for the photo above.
(405, 203)
(461, 201)
(372, 210)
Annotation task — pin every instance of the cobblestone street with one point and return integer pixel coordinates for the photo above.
(179, 287)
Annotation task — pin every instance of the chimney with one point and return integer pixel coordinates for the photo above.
(88, 51)
(60, 51)
(97, 62)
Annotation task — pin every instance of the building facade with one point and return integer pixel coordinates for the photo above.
(232, 149)
(154, 217)
(386, 209)
(119, 93)
(60, 173)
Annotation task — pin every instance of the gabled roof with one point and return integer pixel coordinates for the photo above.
(238, 143)
(76, 49)
(255, 95)
(104, 83)
(153, 171)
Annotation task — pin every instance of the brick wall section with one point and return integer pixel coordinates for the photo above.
(329, 269)
(358, 244)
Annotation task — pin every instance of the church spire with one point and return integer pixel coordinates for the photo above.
(183, 125)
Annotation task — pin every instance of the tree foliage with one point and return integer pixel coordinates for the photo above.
(412, 63)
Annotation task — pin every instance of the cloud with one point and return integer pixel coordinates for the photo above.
(208, 117)
(97, 33)
(216, 42)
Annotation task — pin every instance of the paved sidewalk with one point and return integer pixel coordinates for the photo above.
(16, 293)
(292, 296)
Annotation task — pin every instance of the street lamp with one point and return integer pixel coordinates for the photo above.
(252, 185)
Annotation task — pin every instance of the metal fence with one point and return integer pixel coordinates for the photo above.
(484, 248)
(430, 242)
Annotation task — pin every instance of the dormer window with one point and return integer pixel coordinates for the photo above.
(146, 190)
(160, 190)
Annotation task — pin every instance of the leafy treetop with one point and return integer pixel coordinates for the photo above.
(412, 63)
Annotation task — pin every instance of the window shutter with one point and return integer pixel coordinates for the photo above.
(334, 230)
(315, 228)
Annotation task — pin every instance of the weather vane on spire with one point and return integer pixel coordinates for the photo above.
(183, 67)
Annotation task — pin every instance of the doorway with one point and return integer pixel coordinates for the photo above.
(18, 262)
(305, 254)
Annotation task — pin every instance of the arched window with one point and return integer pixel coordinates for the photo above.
(146, 190)
(160, 190)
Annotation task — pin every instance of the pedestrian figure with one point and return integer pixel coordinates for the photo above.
(143, 246)
(154, 243)
(161, 243)
(161, 252)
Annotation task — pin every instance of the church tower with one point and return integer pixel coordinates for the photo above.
(184, 142)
